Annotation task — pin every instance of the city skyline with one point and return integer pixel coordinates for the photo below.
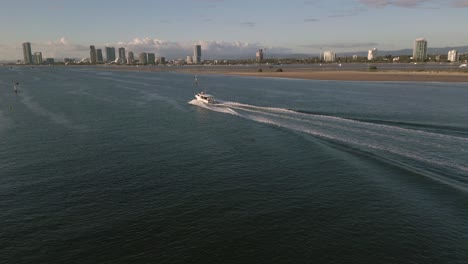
(223, 27)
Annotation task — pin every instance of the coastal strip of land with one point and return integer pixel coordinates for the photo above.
(428, 76)
(346, 75)
(332, 74)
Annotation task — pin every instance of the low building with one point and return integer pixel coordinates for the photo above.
(68, 60)
(50, 60)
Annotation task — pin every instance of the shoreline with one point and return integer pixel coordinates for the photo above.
(327, 74)
(313, 73)
(346, 75)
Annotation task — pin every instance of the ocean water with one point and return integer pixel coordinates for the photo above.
(124, 167)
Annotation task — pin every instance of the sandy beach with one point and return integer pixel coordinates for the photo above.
(364, 76)
(345, 75)
(328, 73)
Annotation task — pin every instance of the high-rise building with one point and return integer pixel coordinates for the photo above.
(37, 57)
(259, 55)
(122, 57)
(143, 58)
(197, 54)
(130, 58)
(452, 56)
(372, 54)
(110, 54)
(92, 54)
(420, 49)
(151, 58)
(329, 56)
(100, 58)
(28, 59)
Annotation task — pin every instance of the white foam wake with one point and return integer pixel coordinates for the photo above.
(439, 153)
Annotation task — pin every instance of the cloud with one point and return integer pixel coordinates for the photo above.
(208, 1)
(211, 49)
(146, 44)
(460, 3)
(311, 20)
(347, 13)
(341, 45)
(60, 48)
(400, 3)
(248, 24)
(204, 4)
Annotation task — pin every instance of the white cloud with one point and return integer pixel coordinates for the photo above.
(60, 48)
(211, 49)
(341, 46)
(248, 24)
(460, 3)
(400, 3)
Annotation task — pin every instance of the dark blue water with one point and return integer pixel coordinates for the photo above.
(123, 167)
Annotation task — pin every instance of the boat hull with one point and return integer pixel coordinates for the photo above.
(203, 98)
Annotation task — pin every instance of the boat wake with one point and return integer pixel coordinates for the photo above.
(440, 156)
(218, 107)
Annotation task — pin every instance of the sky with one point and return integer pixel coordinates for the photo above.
(227, 28)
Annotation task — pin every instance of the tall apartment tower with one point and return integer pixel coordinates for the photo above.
(37, 57)
(197, 54)
(28, 58)
(259, 55)
(130, 58)
(420, 49)
(452, 56)
(110, 54)
(151, 58)
(122, 57)
(100, 58)
(143, 58)
(92, 54)
(372, 54)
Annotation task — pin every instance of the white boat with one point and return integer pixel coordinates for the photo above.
(205, 98)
